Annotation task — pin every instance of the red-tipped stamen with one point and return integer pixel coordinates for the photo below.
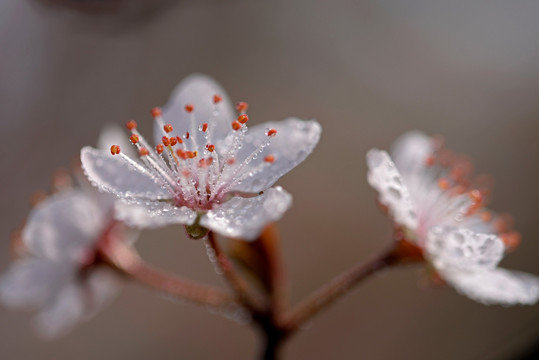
(134, 138)
(443, 184)
(180, 140)
(205, 127)
(242, 106)
(168, 128)
(269, 159)
(243, 118)
(159, 148)
(156, 112)
(511, 240)
(271, 132)
(115, 149)
(143, 151)
(189, 108)
(217, 99)
(173, 141)
(236, 125)
(210, 147)
(165, 140)
(187, 135)
(231, 161)
(131, 125)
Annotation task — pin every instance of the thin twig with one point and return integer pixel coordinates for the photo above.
(339, 286)
(125, 260)
(238, 285)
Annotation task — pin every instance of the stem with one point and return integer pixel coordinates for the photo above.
(339, 286)
(236, 282)
(125, 260)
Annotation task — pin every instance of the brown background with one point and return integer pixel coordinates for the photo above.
(368, 71)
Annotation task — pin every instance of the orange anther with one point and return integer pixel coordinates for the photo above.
(173, 141)
(205, 127)
(269, 159)
(180, 140)
(236, 125)
(189, 108)
(156, 112)
(131, 125)
(191, 154)
(476, 196)
(217, 99)
(187, 135)
(115, 149)
(143, 152)
(210, 147)
(271, 132)
(511, 240)
(181, 153)
(165, 140)
(134, 138)
(159, 148)
(168, 128)
(443, 184)
(243, 118)
(242, 106)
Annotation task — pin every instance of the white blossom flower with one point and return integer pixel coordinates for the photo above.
(207, 171)
(428, 192)
(60, 273)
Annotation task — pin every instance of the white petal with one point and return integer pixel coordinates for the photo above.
(61, 315)
(113, 134)
(496, 286)
(386, 179)
(453, 248)
(410, 151)
(101, 287)
(64, 226)
(153, 215)
(294, 141)
(114, 175)
(197, 90)
(32, 282)
(245, 218)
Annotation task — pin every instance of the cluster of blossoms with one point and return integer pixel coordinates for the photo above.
(438, 209)
(58, 270)
(208, 172)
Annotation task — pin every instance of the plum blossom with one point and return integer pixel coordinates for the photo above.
(206, 171)
(59, 271)
(428, 192)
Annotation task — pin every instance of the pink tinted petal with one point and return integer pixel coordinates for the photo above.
(386, 179)
(294, 141)
(153, 215)
(114, 175)
(245, 218)
(197, 90)
(496, 286)
(64, 226)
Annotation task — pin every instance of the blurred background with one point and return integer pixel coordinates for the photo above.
(368, 71)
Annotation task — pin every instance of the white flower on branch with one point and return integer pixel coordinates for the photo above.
(207, 171)
(430, 196)
(59, 271)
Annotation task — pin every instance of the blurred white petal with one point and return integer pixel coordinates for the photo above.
(245, 218)
(153, 215)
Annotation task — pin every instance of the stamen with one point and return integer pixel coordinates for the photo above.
(189, 108)
(180, 140)
(131, 125)
(143, 151)
(236, 125)
(115, 149)
(165, 140)
(511, 240)
(159, 148)
(204, 127)
(271, 132)
(210, 147)
(156, 112)
(243, 118)
(217, 99)
(242, 106)
(269, 159)
(173, 141)
(168, 128)
(231, 161)
(187, 135)
(443, 184)
(134, 138)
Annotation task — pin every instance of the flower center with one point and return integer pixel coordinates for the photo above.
(200, 175)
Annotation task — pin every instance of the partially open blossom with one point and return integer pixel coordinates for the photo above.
(428, 192)
(206, 170)
(58, 271)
